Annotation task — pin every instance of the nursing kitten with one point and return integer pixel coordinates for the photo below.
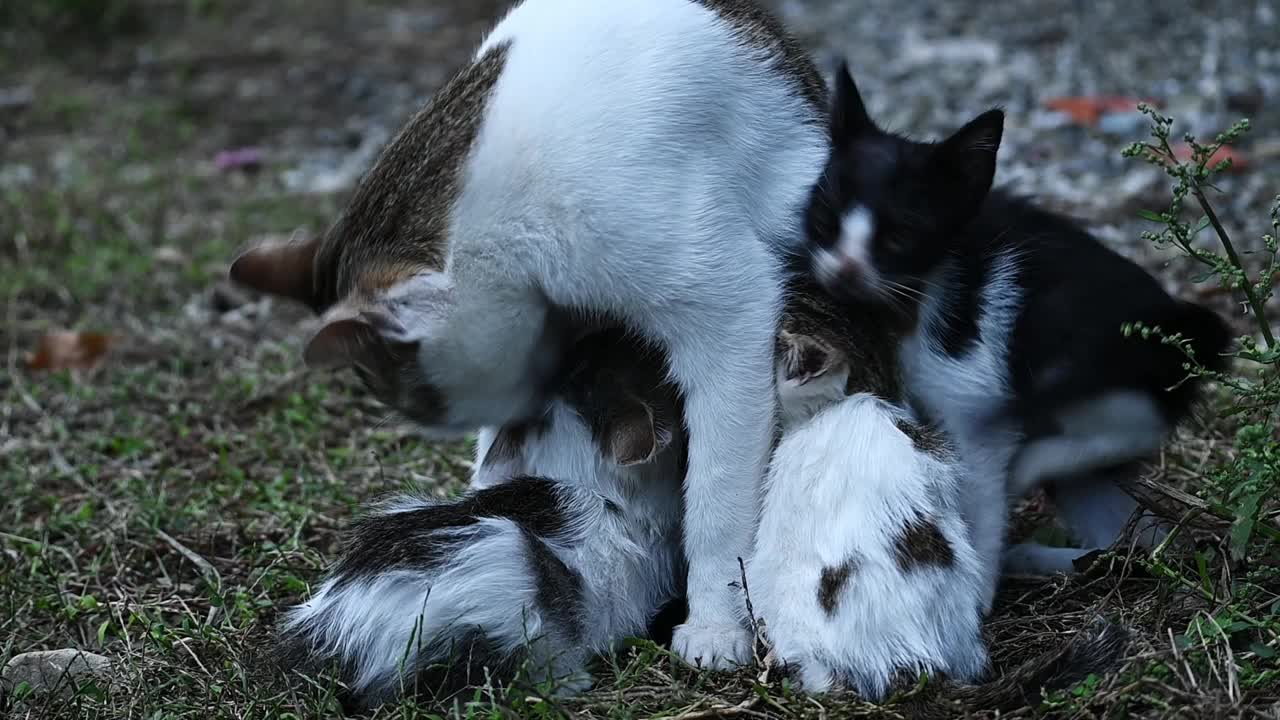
(646, 161)
(863, 567)
(540, 570)
(1017, 346)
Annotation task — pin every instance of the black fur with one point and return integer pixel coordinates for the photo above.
(381, 542)
(937, 222)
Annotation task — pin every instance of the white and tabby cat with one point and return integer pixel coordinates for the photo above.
(645, 161)
(863, 567)
(567, 543)
(1016, 313)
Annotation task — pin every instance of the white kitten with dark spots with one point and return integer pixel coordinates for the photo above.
(1016, 344)
(863, 567)
(567, 543)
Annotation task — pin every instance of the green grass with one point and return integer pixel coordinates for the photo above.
(163, 509)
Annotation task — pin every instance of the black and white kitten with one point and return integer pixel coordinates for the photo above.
(567, 542)
(1017, 345)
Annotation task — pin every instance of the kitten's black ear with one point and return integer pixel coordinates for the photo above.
(968, 157)
(849, 118)
(805, 358)
(638, 431)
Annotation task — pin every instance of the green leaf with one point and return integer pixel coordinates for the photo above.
(1152, 216)
(1262, 651)
(1242, 528)
(1202, 566)
(102, 632)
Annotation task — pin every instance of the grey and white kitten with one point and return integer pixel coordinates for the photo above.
(567, 543)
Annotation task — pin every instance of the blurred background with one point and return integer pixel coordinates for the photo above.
(169, 475)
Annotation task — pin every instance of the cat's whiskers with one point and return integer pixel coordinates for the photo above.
(907, 290)
(892, 291)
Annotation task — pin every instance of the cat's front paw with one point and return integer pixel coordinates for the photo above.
(573, 685)
(715, 647)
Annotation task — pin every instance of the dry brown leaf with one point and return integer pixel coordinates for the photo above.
(1087, 110)
(68, 350)
(1239, 161)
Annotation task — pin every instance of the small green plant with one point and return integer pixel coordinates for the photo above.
(1251, 477)
(1242, 486)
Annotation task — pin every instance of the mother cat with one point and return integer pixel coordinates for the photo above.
(641, 161)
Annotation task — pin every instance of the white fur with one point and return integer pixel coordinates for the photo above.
(967, 395)
(857, 227)
(629, 560)
(392, 622)
(842, 486)
(637, 159)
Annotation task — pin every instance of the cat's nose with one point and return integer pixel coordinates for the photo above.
(839, 272)
(850, 273)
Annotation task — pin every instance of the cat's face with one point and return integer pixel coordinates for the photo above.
(885, 210)
(377, 278)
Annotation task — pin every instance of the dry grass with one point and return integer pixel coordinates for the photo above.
(162, 508)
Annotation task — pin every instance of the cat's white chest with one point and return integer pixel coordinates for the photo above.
(967, 392)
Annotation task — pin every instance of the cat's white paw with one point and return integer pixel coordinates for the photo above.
(573, 685)
(715, 647)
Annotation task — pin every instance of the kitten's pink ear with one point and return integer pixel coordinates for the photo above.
(806, 358)
(638, 432)
(280, 269)
(340, 344)
(969, 155)
(849, 118)
(359, 341)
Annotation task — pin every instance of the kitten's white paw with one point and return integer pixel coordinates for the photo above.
(814, 677)
(715, 647)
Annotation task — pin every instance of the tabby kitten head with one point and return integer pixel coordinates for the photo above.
(885, 211)
(378, 279)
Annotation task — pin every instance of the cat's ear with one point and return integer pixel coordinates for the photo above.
(806, 358)
(360, 342)
(639, 430)
(282, 269)
(968, 157)
(849, 118)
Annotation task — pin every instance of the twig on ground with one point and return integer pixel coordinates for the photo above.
(206, 568)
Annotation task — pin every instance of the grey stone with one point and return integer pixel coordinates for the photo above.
(53, 669)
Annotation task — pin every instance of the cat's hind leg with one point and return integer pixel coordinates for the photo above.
(1100, 433)
(1096, 512)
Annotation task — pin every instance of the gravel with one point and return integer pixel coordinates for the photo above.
(925, 67)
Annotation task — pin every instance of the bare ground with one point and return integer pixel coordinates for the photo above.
(161, 508)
